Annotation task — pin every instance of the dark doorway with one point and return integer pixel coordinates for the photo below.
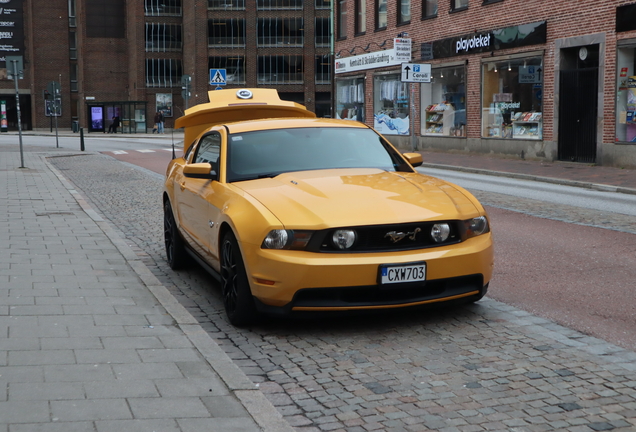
(578, 104)
(12, 112)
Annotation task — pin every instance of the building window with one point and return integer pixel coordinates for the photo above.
(163, 7)
(163, 73)
(323, 4)
(626, 94)
(391, 105)
(444, 102)
(342, 19)
(106, 19)
(73, 76)
(429, 9)
(280, 32)
(380, 14)
(234, 68)
(226, 4)
(511, 98)
(163, 37)
(361, 16)
(459, 5)
(226, 32)
(280, 69)
(72, 45)
(71, 14)
(279, 4)
(323, 32)
(350, 99)
(404, 14)
(323, 69)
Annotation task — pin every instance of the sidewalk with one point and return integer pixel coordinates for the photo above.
(89, 338)
(567, 173)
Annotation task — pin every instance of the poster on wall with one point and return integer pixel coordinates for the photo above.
(97, 118)
(387, 125)
(164, 103)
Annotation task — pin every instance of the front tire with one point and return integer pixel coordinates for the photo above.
(175, 249)
(235, 288)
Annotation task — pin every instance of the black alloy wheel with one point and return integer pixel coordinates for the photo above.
(235, 288)
(175, 249)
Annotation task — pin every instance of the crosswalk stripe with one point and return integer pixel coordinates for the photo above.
(146, 151)
(119, 152)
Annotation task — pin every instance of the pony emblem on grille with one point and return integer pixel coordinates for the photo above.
(395, 236)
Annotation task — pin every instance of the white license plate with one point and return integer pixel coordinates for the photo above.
(413, 272)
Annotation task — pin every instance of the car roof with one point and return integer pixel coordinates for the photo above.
(237, 105)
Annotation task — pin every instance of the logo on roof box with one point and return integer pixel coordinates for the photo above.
(244, 94)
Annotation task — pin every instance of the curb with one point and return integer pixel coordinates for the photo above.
(254, 401)
(553, 180)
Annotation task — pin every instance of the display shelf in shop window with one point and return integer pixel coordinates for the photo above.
(527, 125)
(439, 119)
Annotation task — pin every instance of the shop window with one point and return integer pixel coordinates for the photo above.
(626, 95)
(429, 9)
(226, 32)
(361, 16)
(457, 5)
(391, 105)
(280, 32)
(280, 69)
(234, 68)
(226, 4)
(342, 19)
(350, 99)
(322, 32)
(404, 11)
(512, 98)
(444, 103)
(380, 14)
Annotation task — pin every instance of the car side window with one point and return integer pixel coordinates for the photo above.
(209, 149)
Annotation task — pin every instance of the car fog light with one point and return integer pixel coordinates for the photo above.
(478, 226)
(276, 239)
(440, 232)
(343, 239)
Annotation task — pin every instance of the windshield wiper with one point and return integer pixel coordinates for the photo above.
(269, 175)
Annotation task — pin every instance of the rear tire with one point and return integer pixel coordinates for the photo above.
(235, 289)
(175, 249)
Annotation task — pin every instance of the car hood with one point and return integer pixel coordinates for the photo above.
(355, 197)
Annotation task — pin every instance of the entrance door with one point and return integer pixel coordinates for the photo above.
(578, 110)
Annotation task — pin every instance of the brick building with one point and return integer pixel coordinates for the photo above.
(551, 80)
(128, 58)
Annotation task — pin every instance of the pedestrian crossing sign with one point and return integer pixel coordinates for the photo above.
(218, 77)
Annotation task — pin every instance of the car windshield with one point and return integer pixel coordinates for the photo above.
(268, 153)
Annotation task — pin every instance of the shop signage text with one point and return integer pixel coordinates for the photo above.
(479, 41)
(412, 72)
(367, 61)
(402, 49)
(12, 34)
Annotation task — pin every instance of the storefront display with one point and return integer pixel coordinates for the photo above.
(391, 105)
(350, 99)
(512, 98)
(444, 103)
(626, 95)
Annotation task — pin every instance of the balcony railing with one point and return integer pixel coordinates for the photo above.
(280, 78)
(280, 41)
(226, 4)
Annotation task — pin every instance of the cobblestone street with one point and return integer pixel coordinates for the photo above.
(483, 367)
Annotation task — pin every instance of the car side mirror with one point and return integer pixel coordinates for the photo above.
(415, 159)
(200, 170)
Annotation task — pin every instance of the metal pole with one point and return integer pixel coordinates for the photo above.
(413, 141)
(58, 105)
(17, 105)
(81, 138)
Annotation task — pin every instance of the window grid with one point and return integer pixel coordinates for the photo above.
(361, 16)
(280, 32)
(226, 4)
(71, 14)
(228, 33)
(342, 18)
(459, 5)
(163, 7)
(161, 37)
(323, 69)
(73, 77)
(429, 9)
(404, 14)
(163, 73)
(280, 69)
(234, 68)
(323, 4)
(279, 4)
(322, 32)
(72, 45)
(380, 14)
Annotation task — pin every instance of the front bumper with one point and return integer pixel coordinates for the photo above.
(303, 281)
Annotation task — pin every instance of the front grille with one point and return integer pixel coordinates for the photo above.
(387, 295)
(377, 238)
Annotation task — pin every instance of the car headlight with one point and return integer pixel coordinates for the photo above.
(286, 239)
(343, 239)
(476, 226)
(440, 232)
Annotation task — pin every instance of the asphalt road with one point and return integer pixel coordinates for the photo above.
(487, 366)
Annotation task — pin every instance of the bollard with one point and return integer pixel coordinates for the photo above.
(81, 130)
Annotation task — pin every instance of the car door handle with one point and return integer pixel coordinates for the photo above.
(182, 186)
